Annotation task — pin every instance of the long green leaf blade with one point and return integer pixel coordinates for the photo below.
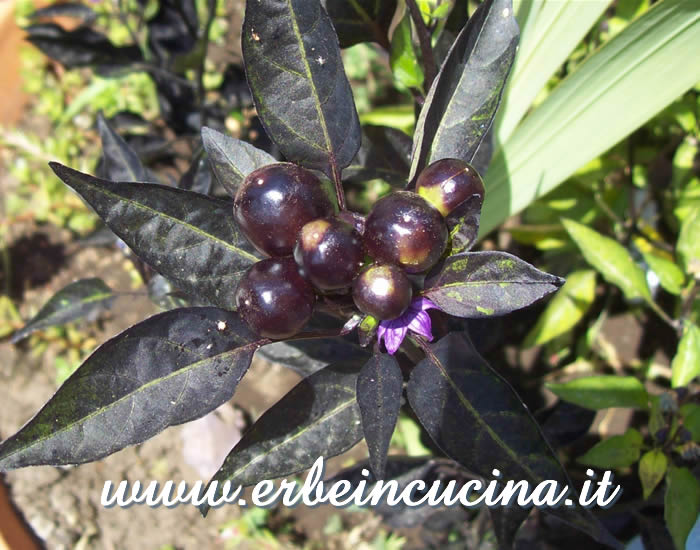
(550, 30)
(590, 111)
(611, 259)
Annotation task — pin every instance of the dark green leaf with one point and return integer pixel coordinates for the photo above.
(307, 356)
(682, 504)
(170, 369)
(358, 21)
(618, 451)
(80, 47)
(484, 284)
(691, 420)
(189, 238)
(565, 422)
(602, 392)
(296, 74)
(119, 161)
(477, 419)
(318, 417)
(379, 389)
(463, 224)
(83, 298)
(463, 99)
(232, 159)
(458, 16)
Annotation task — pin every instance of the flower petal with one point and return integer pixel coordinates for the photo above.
(421, 324)
(393, 338)
(422, 304)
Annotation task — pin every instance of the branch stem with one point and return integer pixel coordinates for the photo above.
(338, 182)
(426, 48)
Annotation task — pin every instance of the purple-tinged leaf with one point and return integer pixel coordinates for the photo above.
(506, 523)
(463, 99)
(379, 389)
(119, 161)
(358, 21)
(172, 368)
(173, 29)
(190, 239)
(232, 159)
(83, 298)
(385, 153)
(74, 10)
(80, 47)
(299, 86)
(477, 419)
(318, 417)
(463, 224)
(485, 284)
(198, 177)
(406, 470)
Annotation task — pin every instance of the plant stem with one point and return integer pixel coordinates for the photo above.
(687, 306)
(675, 325)
(337, 181)
(314, 335)
(426, 48)
(423, 345)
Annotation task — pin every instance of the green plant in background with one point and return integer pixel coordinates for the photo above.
(631, 214)
(624, 82)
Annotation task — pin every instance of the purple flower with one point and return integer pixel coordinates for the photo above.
(414, 318)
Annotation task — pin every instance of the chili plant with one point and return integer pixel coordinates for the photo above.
(287, 261)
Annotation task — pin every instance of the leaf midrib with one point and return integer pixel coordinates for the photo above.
(309, 76)
(516, 459)
(293, 438)
(158, 213)
(106, 408)
(485, 283)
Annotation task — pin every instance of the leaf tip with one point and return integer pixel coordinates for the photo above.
(203, 509)
(19, 335)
